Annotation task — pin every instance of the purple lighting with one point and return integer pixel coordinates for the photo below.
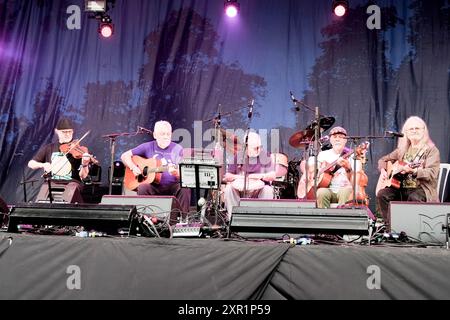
(231, 8)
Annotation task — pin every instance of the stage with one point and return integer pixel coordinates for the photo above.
(64, 267)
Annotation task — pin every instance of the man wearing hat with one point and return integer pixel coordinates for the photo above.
(340, 188)
(259, 166)
(65, 171)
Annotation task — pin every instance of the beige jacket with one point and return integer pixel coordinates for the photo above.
(427, 174)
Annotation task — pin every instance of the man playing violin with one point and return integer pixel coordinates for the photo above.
(417, 160)
(340, 188)
(169, 154)
(260, 171)
(65, 170)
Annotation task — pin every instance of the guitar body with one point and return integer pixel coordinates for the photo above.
(151, 173)
(394, 177)
(323, 181)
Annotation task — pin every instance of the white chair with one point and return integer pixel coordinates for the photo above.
(442, 180)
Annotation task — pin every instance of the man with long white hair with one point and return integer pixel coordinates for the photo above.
(416, 160)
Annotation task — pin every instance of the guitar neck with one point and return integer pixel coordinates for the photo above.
(331, 165)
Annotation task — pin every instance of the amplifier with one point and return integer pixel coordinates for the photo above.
(108, 218)
(272, 222)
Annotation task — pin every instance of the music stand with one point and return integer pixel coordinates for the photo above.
(199, 174)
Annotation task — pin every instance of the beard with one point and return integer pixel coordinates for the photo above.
(163, 143)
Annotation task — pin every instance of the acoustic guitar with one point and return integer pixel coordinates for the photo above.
(394, 176)
(325, 175)
(151, 172)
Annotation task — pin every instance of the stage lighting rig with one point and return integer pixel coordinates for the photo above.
(231, 8)
(340, 7)
(98, 10)
(106, 27)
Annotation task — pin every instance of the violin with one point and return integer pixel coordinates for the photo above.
(361, 178)
(76, 150)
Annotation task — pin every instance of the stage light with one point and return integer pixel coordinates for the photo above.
(340, 7)
(106, 27)
(231, 8)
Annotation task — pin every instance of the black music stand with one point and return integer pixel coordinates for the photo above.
(199, 174)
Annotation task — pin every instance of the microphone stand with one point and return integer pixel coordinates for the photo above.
(48, 177)
(112, 144)
(246, 156)
(316, 145)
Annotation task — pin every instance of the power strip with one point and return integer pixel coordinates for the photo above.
(187, 230)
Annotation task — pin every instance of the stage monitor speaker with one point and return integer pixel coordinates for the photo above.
(420, 220)
(161, 207)
(277, 203)
(274, 223)
(108, 218)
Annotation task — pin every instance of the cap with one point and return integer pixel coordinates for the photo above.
(64, 124)
(338, 130)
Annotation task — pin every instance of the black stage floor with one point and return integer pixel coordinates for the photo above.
(64, 267)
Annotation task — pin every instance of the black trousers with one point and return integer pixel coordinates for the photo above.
(183, 195)
(386, 195)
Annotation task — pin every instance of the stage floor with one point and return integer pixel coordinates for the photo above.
(64, 267)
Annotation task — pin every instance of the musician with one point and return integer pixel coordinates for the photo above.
(259, 163)
(170, 154)
(420, 183)
(65, 171)
(340, 189)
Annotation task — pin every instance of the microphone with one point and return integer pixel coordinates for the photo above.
(295, 101)
(250, 111)
(144, 130)
(395, 134)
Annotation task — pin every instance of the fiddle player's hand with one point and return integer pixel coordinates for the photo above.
(86, 159)
(136, 171)
(47, 167)
(270, 176)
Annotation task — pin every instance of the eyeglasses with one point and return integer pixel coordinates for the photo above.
(415, 129)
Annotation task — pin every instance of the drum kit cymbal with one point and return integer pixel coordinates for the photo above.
(302, 139)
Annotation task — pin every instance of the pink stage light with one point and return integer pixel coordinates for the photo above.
(231, 8)
(340, 10)
(106, 30)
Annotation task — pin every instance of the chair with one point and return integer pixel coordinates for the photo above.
(442, 180)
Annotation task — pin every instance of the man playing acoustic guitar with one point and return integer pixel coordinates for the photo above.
(417, 161)
(164, 155)
(337, 178)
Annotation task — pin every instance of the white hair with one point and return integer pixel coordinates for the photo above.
(161, 125)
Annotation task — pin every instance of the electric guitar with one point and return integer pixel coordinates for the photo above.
(394, 176)
(151, 172)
